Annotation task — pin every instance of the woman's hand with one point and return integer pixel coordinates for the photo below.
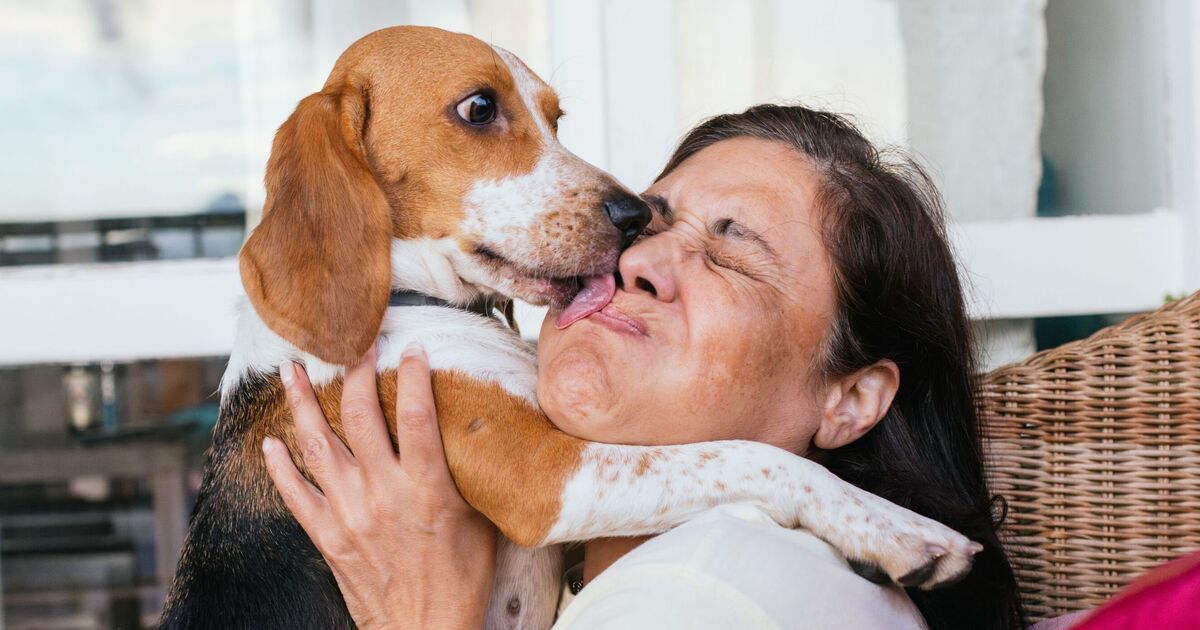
(405, 548)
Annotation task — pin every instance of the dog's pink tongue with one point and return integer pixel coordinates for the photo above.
(596, 293)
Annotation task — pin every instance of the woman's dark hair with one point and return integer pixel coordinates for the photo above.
(899, 298)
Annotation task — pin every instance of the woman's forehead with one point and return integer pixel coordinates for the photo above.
(764, 184)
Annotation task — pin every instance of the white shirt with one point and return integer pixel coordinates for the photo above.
(733, 567)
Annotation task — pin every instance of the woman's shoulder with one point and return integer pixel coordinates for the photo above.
(730, 566)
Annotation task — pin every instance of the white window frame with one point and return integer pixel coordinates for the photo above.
(1016, 269)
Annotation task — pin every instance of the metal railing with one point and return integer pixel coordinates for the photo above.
(200, 235)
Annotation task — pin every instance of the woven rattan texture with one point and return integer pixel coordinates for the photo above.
(1096, 446)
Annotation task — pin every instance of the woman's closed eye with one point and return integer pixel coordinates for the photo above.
(739, 248)
(728, 260)
(716, 251)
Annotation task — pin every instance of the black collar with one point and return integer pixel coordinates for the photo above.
(482, 306)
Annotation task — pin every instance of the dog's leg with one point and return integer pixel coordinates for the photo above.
(631, 491)
(528, 583)
(541, 486)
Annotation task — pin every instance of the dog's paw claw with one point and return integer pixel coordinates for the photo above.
(870, 571)
(892, 545)
(950, 576)
(919, 575)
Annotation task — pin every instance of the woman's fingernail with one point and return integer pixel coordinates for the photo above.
(287, 373)
(268, 443)
(413, 349)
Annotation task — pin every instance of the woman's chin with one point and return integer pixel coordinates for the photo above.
(577, 394)
(582, 421)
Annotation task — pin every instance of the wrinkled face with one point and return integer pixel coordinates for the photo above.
(462, 138)
(716, 330)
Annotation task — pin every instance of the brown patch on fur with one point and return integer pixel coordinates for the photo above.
(323, 212)
(643, 465)
(646, 462)
(547, 101)
(246, 470)
(514, 473)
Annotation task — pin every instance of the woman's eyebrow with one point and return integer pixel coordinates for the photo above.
(659, 204)
(727, 227)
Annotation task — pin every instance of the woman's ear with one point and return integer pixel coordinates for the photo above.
(318, 267)
(855, 403)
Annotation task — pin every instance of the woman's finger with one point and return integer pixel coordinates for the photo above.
(362, 418)
(323, 453)
(417, 431)
(306, 502)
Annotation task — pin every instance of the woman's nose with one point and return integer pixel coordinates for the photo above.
(647, 267)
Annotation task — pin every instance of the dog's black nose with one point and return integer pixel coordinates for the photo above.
(630, 216)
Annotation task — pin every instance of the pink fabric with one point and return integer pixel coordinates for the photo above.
(1167, 597)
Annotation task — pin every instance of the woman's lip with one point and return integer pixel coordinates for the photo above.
(614, 317)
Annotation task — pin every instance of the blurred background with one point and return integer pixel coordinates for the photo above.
(1063, 134)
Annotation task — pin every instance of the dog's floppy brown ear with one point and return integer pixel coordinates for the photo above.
(318, 267)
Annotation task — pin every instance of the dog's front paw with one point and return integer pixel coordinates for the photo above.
(885, 543)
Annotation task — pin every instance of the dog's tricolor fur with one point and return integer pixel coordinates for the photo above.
(376, 183)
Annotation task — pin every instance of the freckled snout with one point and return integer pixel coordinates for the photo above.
(629, 215)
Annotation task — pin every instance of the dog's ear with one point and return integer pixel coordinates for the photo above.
(318, 267)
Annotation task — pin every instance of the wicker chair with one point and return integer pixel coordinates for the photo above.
(1096, 446)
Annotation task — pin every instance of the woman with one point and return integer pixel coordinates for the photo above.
(795, 289)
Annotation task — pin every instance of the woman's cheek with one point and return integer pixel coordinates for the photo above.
(575, 391)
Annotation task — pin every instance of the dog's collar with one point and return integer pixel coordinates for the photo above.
(482, 306)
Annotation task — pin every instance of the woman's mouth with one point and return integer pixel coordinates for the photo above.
(617, 319)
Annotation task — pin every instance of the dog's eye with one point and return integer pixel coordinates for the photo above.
(477, 109)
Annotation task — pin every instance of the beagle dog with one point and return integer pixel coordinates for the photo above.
(428, 165)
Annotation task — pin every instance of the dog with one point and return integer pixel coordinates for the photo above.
(428, 169)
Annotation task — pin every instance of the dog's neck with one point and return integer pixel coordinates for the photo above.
(427, 267)
(455, 340)
(406, 297)
(434, 268)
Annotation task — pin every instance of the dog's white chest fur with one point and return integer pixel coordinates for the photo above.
(457, 340)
